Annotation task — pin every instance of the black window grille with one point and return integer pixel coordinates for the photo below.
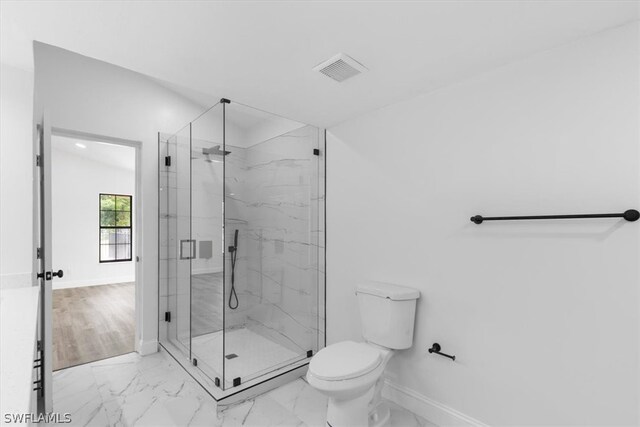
(115, 228)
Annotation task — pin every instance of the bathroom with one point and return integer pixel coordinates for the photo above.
(454, 109)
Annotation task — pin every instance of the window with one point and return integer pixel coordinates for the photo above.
(115, 228)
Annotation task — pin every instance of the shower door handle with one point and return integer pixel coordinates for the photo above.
(191, 249)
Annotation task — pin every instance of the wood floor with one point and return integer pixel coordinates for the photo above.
(92, 323)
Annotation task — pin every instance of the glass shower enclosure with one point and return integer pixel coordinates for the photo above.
(241, 245)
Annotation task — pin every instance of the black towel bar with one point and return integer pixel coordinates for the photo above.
(629, 215)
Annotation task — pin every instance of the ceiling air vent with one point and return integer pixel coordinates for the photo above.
(340, 67)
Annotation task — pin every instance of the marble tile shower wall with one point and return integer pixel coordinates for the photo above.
(236, 201)
(283, 232)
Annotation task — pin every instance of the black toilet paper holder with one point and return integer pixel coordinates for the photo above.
(435, 348)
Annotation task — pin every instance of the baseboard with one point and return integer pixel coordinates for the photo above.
(18, 280)
(94, 282)
(147, 347)
(433, 411)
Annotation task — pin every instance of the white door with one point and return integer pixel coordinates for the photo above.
(43, 271)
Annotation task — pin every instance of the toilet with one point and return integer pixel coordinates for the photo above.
(350, 373)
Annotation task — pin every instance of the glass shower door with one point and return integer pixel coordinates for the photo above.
(271, 265)
(206, 231)
(175, 247)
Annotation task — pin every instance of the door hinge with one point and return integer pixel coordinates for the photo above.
(167, 161)
(38, 160)
(167, 316)
(316, 152)
(38, 253)
(195, 362)
(237, 381)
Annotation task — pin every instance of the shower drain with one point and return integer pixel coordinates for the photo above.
(231, 356)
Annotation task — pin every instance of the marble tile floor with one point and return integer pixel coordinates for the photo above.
(131, 390)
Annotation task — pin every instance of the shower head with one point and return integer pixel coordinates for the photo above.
(216, 151)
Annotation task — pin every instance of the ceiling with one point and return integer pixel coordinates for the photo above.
(262, 53)
(117, 156)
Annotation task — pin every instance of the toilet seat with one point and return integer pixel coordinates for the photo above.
(344, 360)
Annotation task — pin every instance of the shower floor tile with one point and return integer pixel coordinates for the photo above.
(254, 354)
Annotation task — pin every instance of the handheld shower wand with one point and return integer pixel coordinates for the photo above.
(233, 250)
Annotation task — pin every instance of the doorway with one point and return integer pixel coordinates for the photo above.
(94, 186)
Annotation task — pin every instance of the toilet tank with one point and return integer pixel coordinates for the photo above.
(387, 313)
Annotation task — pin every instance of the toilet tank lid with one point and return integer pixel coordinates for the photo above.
(387, 290)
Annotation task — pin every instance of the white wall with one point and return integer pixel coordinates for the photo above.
(76, 184)
(87, 95)
(16, 160)
(542, 316)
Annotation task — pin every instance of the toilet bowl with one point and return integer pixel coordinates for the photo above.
(347, 372)
(350, 373)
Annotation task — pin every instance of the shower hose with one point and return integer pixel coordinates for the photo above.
(234, 253)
